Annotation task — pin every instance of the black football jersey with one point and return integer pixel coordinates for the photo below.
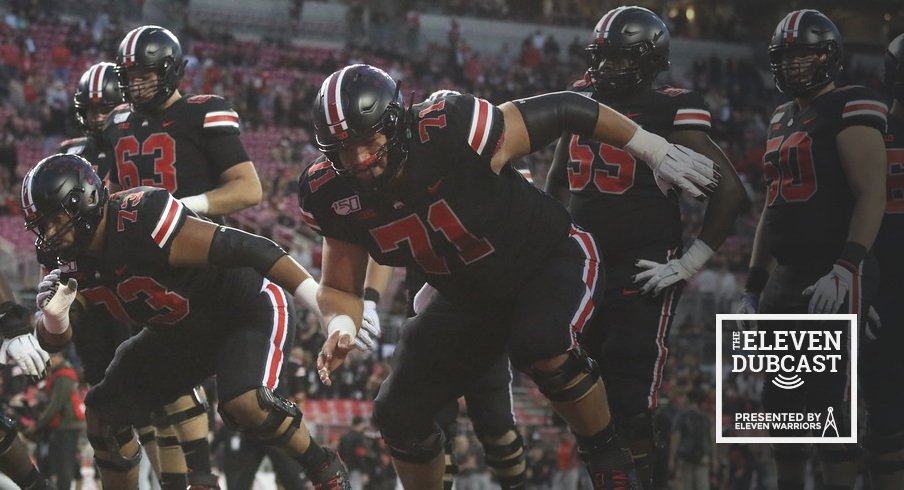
(614, 195)
(809, 202)
(183, 149)
(133, 280)
(96, 150)
(472, 232)
(891, 236)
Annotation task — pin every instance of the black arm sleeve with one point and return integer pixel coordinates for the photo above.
(235, 248)
(547, 116)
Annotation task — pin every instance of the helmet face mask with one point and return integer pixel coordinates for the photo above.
(354, 107)
(149, 66)
(63, 194)
(805, 53)
(630, 48)
(96, 95)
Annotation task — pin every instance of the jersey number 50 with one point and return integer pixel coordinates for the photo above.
(788, 168)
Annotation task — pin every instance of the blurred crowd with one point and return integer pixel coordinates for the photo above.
(272, 85)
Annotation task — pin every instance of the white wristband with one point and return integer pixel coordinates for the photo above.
(649, 147)
(55, 326)
(342, 324)
(306, 292)
(198, 203)
(696, 256)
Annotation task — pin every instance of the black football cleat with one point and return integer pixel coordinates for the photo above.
(613, 471)
(333, 475)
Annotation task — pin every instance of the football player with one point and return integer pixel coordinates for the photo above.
(203, 294)
(881, 364)
(824, 167)
(190, 146)
(96, 95)
(429, 187)
(635, 218)
(19, 348)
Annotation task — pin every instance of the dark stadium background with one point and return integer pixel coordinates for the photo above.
(268, 58)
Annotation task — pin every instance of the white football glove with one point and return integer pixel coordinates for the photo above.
(748, 305)
(369, 334)
(658, 276)
(830, 291)
(423, 298)
(674, 165)
(24, 351)
(54, 300)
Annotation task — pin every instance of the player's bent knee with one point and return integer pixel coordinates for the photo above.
(8, 433)
(415, 450)
(109, 442)
(570, 381)
(176, 413)
(272, 419)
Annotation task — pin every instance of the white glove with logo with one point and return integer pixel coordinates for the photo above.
(54, 299)
(423, 298)
(658, 276)
(369, 334)
(674, 165)
(831, 290)
(25, 352)
(749, 305)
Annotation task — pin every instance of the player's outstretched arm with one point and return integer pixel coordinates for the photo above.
(200, 243)
(340, 300)
(533, 123)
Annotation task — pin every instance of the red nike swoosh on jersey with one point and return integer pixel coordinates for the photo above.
(167, 124)
(432, 188)
(120, 270)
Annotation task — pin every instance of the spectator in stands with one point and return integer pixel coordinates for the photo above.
(63, 418)
(353, 449)
(692, 445)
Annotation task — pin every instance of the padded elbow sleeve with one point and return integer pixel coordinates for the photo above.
(548, 116)
(235, 248)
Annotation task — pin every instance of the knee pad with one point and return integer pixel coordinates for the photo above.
(8, 433)
(271, 431)
(886, 453)
(505, 454)
(162, 418)
(839, 453)
(166, 438)
(416, 450)
(147, 435)
(571, 381)
(111, 440)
